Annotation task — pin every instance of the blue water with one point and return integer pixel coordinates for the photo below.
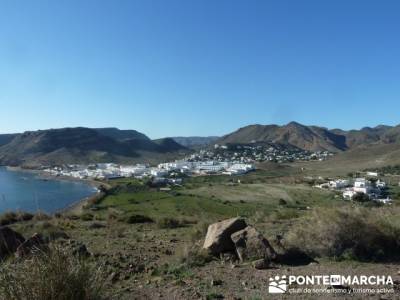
(28, 192)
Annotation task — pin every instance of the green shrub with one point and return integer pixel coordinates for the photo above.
(49, 231)
(134, 219)
(86, 217)
(8, 218)
(49, 276)
(361, 197)
(24, 216)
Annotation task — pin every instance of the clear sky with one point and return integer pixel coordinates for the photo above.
(197, 67)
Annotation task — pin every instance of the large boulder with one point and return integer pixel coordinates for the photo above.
(9, 241)
(252, 245)
(32, 245)
(218, 238)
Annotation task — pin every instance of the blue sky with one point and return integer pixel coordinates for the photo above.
(198, 67)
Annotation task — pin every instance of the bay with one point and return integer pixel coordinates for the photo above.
(27, 191)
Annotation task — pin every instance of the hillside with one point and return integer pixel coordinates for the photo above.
(357, 159)
(195, 141)
(6, 138)
(304, 137)
(82, 145)
(121, 134)
(314, 138)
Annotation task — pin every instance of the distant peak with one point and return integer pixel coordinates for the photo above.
(296, 124)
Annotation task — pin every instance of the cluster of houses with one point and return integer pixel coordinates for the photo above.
(374, 190)
(259, 152)
(165, 172)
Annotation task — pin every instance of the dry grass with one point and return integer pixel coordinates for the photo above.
(49, 276)
(348, 233)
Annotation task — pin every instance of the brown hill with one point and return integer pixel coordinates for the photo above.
(81, 145)
(314, 138)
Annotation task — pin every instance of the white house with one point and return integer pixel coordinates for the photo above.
(372, 174)
(361, 185)
(349, 194)
(339, 184)
(380, 184)
(158, 172)
(385, 201)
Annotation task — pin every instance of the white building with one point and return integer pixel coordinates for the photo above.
(349, 194)
(339, 184)
(361, 185)
(156, 172)
(135, 170)
(372, 174)
(380, 184)
(239, 168)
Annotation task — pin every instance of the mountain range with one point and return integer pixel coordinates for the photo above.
(313, 138)
(87, 145)
(84, 145)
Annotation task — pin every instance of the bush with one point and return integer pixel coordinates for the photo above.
(54, 275)
(361, 197)
(168, 223)
(86, 217)
(134, 219)
(356, 233)
(13, 217)
(8, 218)
(24, 216)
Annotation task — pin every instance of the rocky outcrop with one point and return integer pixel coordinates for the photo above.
(9, 241)
(218, 238)
(252, 245)
(235, 237)
(32, 245)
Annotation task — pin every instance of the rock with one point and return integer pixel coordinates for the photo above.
(251, 244)
(218, 238)
(9, 241)
(261, 264)
(34, 244)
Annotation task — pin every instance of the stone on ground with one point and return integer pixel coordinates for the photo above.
(218, 238)
(252, 245)
(9, 241)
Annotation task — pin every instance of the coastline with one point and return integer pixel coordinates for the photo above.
(77, 206)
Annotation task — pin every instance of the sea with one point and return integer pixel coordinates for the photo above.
(28, 191)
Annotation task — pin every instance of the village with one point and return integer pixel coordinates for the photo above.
(235, 159)
(361, 189)
(170, 172)
(260, 151)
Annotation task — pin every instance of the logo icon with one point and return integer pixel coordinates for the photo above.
(335, 280)
(277, 285)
